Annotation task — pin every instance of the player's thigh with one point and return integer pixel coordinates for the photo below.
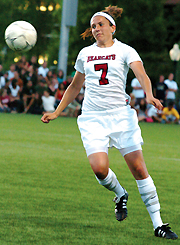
(93, 134)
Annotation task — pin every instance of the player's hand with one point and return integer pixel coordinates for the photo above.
(155, 102)
(47, 117)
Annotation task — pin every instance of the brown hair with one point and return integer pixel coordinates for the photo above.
(113, 11)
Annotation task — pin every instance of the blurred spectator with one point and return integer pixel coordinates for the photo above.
(23, 75)
(2, 108)
(22, 64)
(133, 101)
(16, 104)
(2, 78)
(36, 107)
(33, 62)
(1, 70)
(154, 114)
(4, 101)
(19, 66)
(137, 90)
(141, 109)
(68, 81)
(48, 102)
(172, 88)
(28, 88)
(32, 74)
(28, 94)
(72, 110)
(43, 70)
(80, 97)
(6, 79)
(59, 94)
(60, 76)
(14, 88)
(49, 77)
(170, 114)
(2, 82)
(11, 71)
(53, 86)
(19, 80)
(25, 63)
(41, 85)
(160, 90)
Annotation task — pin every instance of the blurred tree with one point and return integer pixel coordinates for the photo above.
(144, 26)
(39, 14)
(172, 17)
(141, 26)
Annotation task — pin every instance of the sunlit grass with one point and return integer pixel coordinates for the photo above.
(49, 194)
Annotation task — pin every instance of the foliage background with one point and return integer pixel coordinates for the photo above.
(150, 26)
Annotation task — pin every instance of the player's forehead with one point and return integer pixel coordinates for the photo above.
(99, 19)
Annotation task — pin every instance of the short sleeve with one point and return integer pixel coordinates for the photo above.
(79, 66)
(132, 56)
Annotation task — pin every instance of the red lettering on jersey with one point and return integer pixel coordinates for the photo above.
(107, 57)
(90, 58)
(100, 57)
(113, 56)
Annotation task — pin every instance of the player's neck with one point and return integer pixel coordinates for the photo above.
(105, 44)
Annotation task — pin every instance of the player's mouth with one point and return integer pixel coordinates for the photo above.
(98, 34)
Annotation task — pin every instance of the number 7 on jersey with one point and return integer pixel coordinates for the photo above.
(104, 67)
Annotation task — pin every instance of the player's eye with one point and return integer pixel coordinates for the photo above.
(101, 24)
(93, 26)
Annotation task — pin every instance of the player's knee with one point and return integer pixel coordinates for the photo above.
(100, 167)
(101, 172)
(140, 173)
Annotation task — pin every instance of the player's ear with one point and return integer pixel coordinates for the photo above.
(113, 28)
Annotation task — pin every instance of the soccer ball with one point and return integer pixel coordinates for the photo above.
(20, 36)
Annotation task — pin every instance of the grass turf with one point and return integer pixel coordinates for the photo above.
(49, 194)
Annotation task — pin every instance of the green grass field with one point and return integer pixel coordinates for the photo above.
(49, 194)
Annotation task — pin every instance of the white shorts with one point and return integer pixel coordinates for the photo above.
(114, 128)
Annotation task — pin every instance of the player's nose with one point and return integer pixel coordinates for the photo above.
(97, 28)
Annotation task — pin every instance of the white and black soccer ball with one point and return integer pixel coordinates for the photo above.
(20, 36)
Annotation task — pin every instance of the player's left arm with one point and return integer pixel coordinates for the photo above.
(70, 94)
(140, 73)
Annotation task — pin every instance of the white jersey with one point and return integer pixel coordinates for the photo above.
(138, 93)
(14, 91)
(105, 72)
(171, 85)
(48, 103)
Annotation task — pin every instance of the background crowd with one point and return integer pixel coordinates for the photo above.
(165, 90)
(29, 88)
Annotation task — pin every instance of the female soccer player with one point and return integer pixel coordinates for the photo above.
(107, 119)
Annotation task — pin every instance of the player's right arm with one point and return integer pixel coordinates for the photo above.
(70, 94)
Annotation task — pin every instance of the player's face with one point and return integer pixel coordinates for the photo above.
(102, 31)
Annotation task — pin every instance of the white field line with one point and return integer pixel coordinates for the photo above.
(162, 145)
(168, 158)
